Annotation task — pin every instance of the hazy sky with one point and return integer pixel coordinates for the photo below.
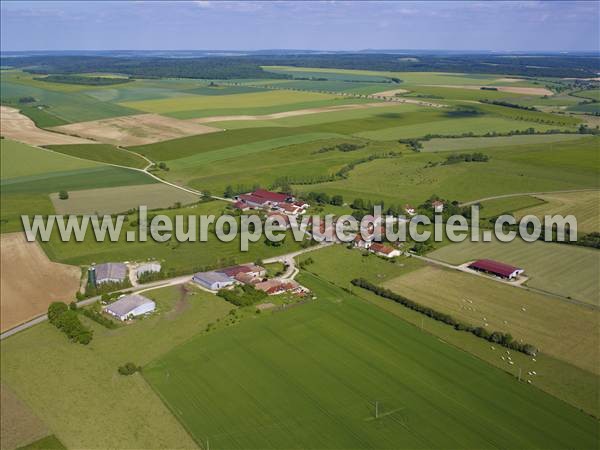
(327, 25)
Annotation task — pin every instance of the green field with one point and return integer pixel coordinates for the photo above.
(525, 168)
(561, 269)
(82, 395)
(333, 358)
(21, 160)
(561, 379)
(102, 153)
(479, 143)
(181, 257)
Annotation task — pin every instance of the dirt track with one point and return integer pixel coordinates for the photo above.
(18, 127)
(29, 281)
(139, 129)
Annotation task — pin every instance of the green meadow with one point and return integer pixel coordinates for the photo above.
(336, 356)
(526, 168)
(177, 257)
(566, 270)
(104, 153)
(82, 395)
(564, 380)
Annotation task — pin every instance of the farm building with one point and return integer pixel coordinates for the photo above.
(250, 269)
(262, 198)
(246, 278)
(496, 268)
(130, 306)
(275, 287)
(109, 273)
(384, 250)
(241, 206)
(148, 268)
(213, 280)
(282, 219)
(411, 211)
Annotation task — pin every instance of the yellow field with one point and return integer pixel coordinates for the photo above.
(585, 206)
(251, 100)
(560, 329)
(19, 426)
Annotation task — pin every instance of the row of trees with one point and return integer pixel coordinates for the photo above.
(509, 104)
(95, 315)
(67, 320)
(466, 157)
(344, 147)
(497, 337)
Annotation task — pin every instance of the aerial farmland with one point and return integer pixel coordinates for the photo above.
(242, 341)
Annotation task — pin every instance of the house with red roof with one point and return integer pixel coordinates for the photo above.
(384, 250)
(437, 206)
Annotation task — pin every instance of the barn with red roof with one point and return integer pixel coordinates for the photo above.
(496, 268)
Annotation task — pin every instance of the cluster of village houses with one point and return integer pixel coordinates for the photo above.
(277, 204)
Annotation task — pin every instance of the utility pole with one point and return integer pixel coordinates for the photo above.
(519, 377)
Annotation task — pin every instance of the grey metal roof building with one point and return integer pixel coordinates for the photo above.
(130, 305)
(110, 272)
(213, 280)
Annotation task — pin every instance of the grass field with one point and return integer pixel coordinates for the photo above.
(114, 200)
(102, 153)
(585, 206)
(82, 395)
(19, 426)
(508, 205)
(47, 443)
(22, 160)
(91, 178)
(463, 144)
(562, 269)
(184, 257)
(559, 329)
(525, 168)
(563, 380)
(334, 357)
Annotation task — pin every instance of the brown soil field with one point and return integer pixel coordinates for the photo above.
(19, 426)
(30, 281)
(135, 130)
(511, 89)
(120, 199)
(18, 127)
(563, 330)
(298, 112)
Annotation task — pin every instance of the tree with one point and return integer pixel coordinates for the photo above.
(63, 195)
(129, 368)
(337, 200)
(229, 193)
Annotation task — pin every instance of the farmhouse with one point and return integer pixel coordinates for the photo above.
(384, 250)
(241, 206)
(496, 268)
(275, 287)
(148, 268)
(213, 280)
(437, 206)
(359, 242)
(246, 278)
(107, 273)
(282, 219)
(411, 211)
(130, 306)
(262, 198)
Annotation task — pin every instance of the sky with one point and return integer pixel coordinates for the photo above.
(315, 25)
